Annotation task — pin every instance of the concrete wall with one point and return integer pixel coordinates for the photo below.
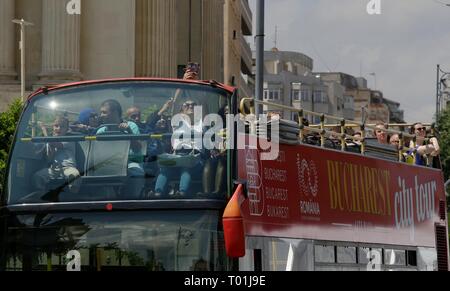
(107, 39)
(113, 42)
(31, 11)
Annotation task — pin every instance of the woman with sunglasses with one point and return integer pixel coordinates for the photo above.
(187, 141)
(422, 149)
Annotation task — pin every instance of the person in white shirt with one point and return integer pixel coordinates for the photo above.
(187, 141)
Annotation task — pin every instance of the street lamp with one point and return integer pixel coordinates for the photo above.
(23, 24)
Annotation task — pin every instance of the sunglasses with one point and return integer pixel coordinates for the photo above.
(191, 105)
(421, 128)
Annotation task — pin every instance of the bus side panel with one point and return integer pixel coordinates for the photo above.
(313, 193)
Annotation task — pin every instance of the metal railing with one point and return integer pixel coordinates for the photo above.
(343, 124)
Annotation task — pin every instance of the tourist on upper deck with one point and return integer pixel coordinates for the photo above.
(87, 123)
(111, 120)
(214, 171)
(156, 123)
(60, 157)
(191, 72)
(422, 148)
(134, 115)
(395, 140)
(357, 135)
(187, 147)
(381, 135)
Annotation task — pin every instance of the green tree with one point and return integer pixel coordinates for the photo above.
(444, 141)
(8, 123)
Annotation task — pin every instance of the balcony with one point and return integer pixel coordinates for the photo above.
(246, 57)
(245, 89)
(246, 18)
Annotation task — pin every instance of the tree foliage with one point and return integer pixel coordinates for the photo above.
(8, 123)
(444, 141)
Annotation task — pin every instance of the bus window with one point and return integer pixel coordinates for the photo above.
(145, 163)
(394, 257)
(427, 259)
(157, 241)
(278, 255)
(324, 254)
(346, 255)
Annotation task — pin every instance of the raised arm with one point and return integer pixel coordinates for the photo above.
(432, 148)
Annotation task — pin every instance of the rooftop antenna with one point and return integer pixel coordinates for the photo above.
(360, 67)
(276, 36)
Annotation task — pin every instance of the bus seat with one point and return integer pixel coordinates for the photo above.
(376, 150)
(106, 164)
(81, 151)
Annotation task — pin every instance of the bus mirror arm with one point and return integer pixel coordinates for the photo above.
(244, 185)
(233, 225)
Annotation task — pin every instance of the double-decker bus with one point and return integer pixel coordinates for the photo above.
(120, 195)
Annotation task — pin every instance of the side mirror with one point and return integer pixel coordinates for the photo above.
(233, 225)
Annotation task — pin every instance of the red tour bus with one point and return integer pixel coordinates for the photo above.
(321, 209)
(117, 194)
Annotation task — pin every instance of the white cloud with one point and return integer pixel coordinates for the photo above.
(403, 45)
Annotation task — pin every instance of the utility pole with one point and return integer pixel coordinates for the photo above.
(442, 85)
(438, 92)
(259, 55)
(23, 24)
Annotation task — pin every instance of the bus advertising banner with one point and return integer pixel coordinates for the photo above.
(313, 193)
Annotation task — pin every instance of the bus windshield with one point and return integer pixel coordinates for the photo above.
(127, 140)
(138, 241)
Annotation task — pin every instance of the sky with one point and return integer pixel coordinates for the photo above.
(402, 45)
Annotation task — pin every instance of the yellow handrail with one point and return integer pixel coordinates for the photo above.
(321, 128)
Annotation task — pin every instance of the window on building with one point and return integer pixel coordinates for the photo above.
(305, 95)
(272, 94)
(296, 94)
(320, 97)
(349, 102)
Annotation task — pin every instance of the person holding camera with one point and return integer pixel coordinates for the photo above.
(421, 148)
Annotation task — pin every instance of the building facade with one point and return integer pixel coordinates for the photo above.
(115, 38)
(396, 115)
(289, 81)
(369, 104)
(362, 103)
(238, 61)
(343, 104)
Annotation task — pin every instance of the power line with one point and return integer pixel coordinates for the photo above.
(443, 3)
(320, 57)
